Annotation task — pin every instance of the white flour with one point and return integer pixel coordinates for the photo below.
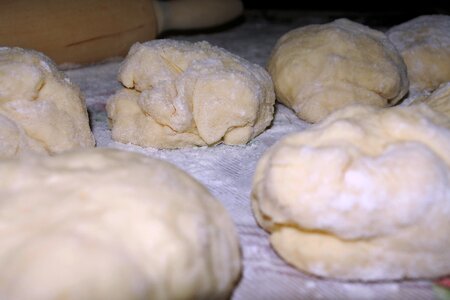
(227, 172)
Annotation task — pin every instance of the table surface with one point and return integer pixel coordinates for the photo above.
(227, 171)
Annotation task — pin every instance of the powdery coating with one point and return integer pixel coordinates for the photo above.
(439, 101)
(363, 195)
(180, 94)
(318, 69)
(424, 43)
(40, 109)
(109, 224)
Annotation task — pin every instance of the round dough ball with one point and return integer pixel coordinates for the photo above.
(181, 94)
(318, 69)
(43, 110)
(363, 195)
(109, 224)
(424, 43)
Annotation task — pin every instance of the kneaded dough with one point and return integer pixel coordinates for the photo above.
(40, 109)
(180, 94)
(363, 195)
(439, 101)
(424, 43)
(109, 224)
(317, 69)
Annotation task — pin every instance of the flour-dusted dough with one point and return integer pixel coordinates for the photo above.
(181, 94)
(318, 69)
(424, 43)
(109, 224)
(439, 101)
(363, 195)
(40, 109)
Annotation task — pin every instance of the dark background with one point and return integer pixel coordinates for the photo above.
(362, 5)
(382, 12)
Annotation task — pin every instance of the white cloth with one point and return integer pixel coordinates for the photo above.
(227, 172)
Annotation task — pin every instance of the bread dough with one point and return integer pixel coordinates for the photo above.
(424, 43)
(109, 224)
(363, 195)
(40, 109)
(181, 94)
(318, 69)
(439, 101)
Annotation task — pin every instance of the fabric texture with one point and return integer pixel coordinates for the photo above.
(227, 171)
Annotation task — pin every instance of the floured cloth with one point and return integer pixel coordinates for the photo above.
(227, 171)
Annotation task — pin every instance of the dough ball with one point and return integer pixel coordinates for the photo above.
(424, 43)
(180, 94)
(42, 110)
(439, 101)
(109, 224)
(318, 69)
(363, 195)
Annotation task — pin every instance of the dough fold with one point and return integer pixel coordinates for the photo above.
(180, 94)
(318, 69)
(424, 43)
(40, 109)
(362, 195)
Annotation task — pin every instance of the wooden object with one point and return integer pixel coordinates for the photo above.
(87, 31)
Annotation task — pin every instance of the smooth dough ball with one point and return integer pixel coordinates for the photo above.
(424, 43)
(363, 195)
(180, 94)
(318, 69)
(109, 224)
(40, 109)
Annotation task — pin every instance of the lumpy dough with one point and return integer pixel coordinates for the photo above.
(180, 94)
(40, 109)
(439, 101)
(109, 224)
(363, 195)
(317, 69)
(424, 43)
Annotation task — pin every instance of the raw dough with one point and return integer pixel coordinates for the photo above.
(318, 69)
(40, 109)
(424, 43)
(363, 195)
(109, 224)
(439, 101)
(181, 94)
